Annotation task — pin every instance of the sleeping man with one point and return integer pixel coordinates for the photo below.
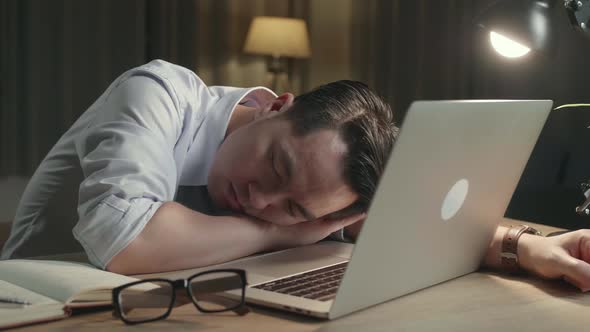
(163, 172)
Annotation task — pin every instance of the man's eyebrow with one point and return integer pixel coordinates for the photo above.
(290, 162)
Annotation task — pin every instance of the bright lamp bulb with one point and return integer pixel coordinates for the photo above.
(507, 47)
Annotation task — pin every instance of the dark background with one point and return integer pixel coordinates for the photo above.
(56, 57)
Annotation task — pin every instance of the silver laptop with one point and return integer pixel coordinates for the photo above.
(446, 186)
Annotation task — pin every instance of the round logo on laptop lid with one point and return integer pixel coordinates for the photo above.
(454, 199)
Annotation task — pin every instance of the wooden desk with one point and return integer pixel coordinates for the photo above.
(481, 301)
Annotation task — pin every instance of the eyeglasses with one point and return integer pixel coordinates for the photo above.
(152, 299)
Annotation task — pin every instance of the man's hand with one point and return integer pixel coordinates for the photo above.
(308, 232)
(352, 231)
(564, 256)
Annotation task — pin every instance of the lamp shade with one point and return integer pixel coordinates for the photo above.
(278, 36)
(525, 22)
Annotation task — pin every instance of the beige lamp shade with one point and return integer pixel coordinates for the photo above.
(278, 36)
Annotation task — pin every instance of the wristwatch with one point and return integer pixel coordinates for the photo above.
(509, 254)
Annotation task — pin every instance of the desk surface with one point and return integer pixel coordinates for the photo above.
(482, 301)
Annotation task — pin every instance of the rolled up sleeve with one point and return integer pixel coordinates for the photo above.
(127, 158)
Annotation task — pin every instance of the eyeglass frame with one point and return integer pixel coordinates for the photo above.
(177, 285)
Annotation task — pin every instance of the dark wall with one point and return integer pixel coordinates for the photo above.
(55, 58)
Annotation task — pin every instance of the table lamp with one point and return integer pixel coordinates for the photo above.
(518, 26)
(278, 37)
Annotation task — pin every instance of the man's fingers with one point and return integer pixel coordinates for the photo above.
(578, 273)
(336, 224)
(584, 245)
(353, 218)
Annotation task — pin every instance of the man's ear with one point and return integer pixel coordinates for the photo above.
(278, 105)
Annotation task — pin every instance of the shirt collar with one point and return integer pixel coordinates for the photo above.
(213, 128)
(219, 115)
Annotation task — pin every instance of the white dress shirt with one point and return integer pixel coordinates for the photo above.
(155, 128)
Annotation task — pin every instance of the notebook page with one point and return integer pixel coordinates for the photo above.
(8, 290)
(31, 314)
(57, 279)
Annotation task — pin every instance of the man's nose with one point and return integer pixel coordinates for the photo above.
(260, 199)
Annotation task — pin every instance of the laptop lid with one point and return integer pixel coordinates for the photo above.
(445, 188)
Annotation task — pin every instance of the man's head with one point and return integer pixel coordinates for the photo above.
(318, 155)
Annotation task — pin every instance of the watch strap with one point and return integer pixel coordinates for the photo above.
(509, 253)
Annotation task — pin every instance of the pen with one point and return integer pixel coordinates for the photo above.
(13, 300)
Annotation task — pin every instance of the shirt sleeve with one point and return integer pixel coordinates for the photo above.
(127, 159)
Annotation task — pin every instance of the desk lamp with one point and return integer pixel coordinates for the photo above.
(278, 37)
(517, 27)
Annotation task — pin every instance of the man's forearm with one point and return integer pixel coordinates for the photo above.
(178, 238)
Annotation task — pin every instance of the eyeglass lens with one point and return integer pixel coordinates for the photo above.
(146, 301)
(210, 291)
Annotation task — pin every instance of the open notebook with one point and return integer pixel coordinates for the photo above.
(53, 289)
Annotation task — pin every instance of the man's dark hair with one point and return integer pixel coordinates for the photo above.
(365, 124)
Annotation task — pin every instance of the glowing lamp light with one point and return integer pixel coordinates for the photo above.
(507, 47)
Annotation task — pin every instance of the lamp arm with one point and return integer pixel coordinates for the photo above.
(578, 12)
(584, 208)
